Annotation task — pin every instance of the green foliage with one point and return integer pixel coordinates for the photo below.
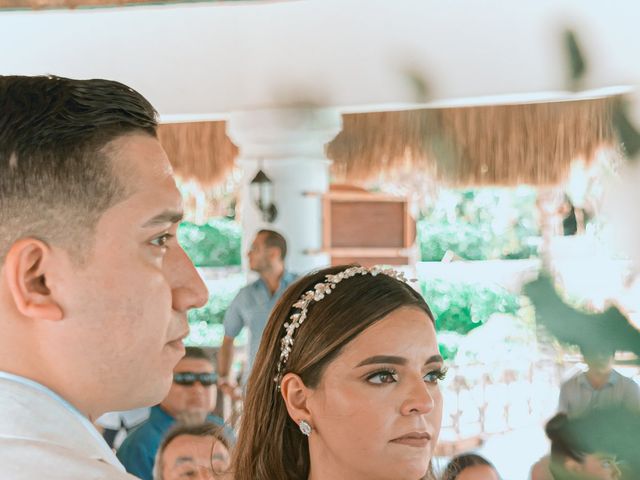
(482, 224)
(213, 312)
(203, 334)
(461, 307)
(214, 244)
(626, 130)
(458, 308)
(577, 61)
(609, 330)
(221, 292)
(448, 349)
(206, 322)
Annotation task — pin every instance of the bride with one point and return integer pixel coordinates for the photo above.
(345, 383)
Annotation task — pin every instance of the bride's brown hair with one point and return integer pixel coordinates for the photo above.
(270, 446)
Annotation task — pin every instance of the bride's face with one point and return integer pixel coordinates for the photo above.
(376, 413)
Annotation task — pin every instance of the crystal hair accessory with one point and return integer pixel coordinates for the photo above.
(320, 290)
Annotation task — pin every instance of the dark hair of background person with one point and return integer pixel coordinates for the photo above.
(200, 430)
(274, 239)
(274, 449)
(56, 178)
(600, 350)
(196, 352)
(563, 443)
(608, 431)
(459, 463)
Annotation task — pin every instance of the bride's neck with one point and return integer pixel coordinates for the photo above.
(330, 469)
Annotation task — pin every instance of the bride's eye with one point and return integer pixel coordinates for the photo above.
(383, 376)
(436, 376)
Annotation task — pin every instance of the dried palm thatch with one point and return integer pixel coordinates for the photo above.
(485, 145)
(42, 4)
(502, 145)
(201, 150)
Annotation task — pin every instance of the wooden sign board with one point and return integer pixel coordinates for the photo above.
(366, 228)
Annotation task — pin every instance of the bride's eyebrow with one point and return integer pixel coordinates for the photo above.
(389, 359)
(395, 360)
(434, 359)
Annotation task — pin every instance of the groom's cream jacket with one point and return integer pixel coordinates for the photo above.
(43, 437)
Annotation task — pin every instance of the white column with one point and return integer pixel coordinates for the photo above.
(289, 146)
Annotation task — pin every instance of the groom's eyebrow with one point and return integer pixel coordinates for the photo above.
(168, 216)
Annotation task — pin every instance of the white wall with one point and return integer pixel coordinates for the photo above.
(208, 59)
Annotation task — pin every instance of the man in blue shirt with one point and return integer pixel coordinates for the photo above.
(253, 304)
(599, 387)
(190, 400)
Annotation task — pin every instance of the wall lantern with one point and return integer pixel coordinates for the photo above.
(262, 194)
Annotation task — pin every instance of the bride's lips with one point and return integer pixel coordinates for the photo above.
(413, 439)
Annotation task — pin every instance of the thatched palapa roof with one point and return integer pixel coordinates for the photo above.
(483, 145)
(64, 4)
(199, 150)
(486, 145)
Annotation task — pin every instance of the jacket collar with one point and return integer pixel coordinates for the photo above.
(32, 411)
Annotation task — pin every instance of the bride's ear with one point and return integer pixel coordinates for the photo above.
(295, 394)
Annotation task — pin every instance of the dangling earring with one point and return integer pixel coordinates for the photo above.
(305, 428)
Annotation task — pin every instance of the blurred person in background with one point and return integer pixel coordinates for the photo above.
(599, 387)
(190, 401)
(253, 304)
(580, 450)
(115, 426)
(470, 466)
(193, 452)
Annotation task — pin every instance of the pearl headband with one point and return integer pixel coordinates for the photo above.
(320, 290)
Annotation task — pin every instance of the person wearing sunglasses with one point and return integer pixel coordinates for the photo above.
(190, 401)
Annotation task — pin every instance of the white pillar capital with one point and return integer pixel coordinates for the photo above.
(278, 133)
(289, 146)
